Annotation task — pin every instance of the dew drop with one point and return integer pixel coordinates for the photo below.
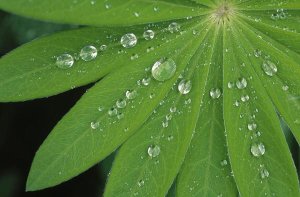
(269, 68)
(215, 93)
(121, 103)
(131, 94)
(149, 34)
(163, 69)
(264, 173)
(88, 53)
(129, 40)
(141, 183)
(95, 125)
(64, 61)
(224, 163)
(103, 47)
(173, 109)
(146, 81)
(230, 85)
(112, 111)
(185, 86)
(174, 27)
(257, 53)
(245, 98)
(241, 83)
(153, 151)
(120, 116)
(257, 149)
(252, 126)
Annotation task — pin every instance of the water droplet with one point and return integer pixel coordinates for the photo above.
(257, 53)
(64, 61)
(170, 137)
(100, 108)
(257, 149)
(241, 83)
(163, 69)
(184, 87)
(215, 93)
(121, 103)
(230, 85)
(141, 183)
(245, 98)
(103, 47)
(224, 163)
(120, 116)
(88, 53)
(285, 88)
(95, 125)
(129, 40)
(149, 34)
(153, 151)
(173, 109)
(252, 126)
(174, 27)
(131, 94)
(146, 81)
(165, 124)
(112, 111)
(269, 68)
(264, 173)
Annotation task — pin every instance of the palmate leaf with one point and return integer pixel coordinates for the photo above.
(222, 137)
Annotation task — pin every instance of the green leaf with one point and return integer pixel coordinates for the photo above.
(103, 12)
(168, 131)
(75, 146)
(206, 169)
(260, 158)
(242, 57)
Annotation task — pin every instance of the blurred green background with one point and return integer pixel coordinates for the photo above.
(24, 126)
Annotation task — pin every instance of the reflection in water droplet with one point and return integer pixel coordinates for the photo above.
(269, 68)
(185, 86)
(64, 61)
(129, 40)
(257, 149)
(153, 151)
(88, 53)
(163, 69)
(241, 83)
(215, 93)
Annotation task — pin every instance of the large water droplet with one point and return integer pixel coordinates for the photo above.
(269, 68)
(153, 151)
(64, 61)
(258, 149)
(215, 93)
(88, 53)
(163, 69)
(241, 83)
(149, 34)
(129, 40)
(185, 86)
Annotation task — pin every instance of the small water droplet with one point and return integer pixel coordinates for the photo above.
(245, 98)
(258, 149)
(112, 111)
(163, 69)
(131, 94)
(64, 61)
(257, 53)
(88, 53)
(153, 151)
(252, 126)
(185, 86)
(95, 125)
(173, 109)
(215, 93)
(121, 103)
(141, 183)
(129, 40)
(241, 83)
(148, 35)
(174, 27)
(269, 68)
(264, 173)
(230, 85)
(224, 162)
(285, 88)
(146, 81)
(103, 47)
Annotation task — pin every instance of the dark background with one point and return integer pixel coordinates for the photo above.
(24, 126)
